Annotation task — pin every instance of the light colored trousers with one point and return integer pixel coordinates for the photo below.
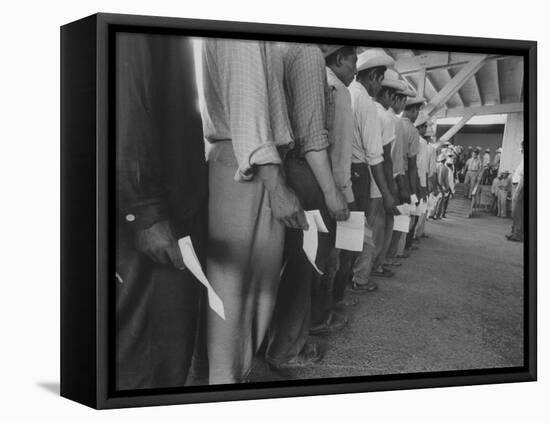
(364, 263)
(470, 181)
(244, 258)
(502, 203)
(420, 226)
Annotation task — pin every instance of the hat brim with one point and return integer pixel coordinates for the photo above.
(395, 84)
(415, 101)
(375, 62)
(330, 49)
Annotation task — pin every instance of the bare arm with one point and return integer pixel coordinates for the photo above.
(285, 205)
(380, 179)
(334, 199)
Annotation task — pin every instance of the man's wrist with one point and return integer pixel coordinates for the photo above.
(271, 176)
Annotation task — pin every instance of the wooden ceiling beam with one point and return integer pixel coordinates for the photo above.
(497, 109)
(456, 127)
(433, 61)
(455, 84)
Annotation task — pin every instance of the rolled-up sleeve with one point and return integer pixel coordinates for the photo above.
(306, 80)
(241, 73)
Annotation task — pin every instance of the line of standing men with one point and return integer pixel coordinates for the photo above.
(291, 128)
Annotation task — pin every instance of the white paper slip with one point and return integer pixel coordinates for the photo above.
(422, 207)
(351, 233)
(404, 209)
(321, 227)
(192, 263)
(414, 211)
(401, 223)
(414, 199)
(310, 241)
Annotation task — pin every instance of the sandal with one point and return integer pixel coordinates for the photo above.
(309, 355)
(384, 273)
(360, 288)
(334, 323)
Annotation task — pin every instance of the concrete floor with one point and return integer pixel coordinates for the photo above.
(456, 303)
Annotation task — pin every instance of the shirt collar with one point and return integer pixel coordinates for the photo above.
(333, 79)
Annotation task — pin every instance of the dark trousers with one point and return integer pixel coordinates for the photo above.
(157, 315)
(360, 184)
(443, 203)
(304, 297)
(517, 213)
(410, 234)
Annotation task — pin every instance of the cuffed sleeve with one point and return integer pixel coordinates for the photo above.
(305, 81)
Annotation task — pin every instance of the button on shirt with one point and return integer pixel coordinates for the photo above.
(244, 101)
(340, 133)
(367, 139)
(305, 86)
(387, 128)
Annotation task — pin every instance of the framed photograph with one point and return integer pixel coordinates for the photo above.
(257, 211)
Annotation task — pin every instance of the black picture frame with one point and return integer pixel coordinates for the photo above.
(87, 57)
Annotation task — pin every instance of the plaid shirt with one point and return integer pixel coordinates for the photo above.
(244, 101)
(305, 84)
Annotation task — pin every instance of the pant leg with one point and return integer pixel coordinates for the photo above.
(156, 319)
(445, 203)
(344, 273)
(517, 214)
(474, 181)
(388, 231)
(245, 246)
(420, 227)
(410, 234)
(364, 263)
(467, 184)
(299, 281)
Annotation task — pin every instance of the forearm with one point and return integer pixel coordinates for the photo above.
(320, 166)
(271, 176)
(378, 173)
(388, 166)
(413, 175)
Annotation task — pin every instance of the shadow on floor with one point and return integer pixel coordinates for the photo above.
(51, 387)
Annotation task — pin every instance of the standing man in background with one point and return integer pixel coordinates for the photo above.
(517, 203)
(473, 169)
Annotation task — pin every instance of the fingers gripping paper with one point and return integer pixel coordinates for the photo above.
(310, 243)
(351, 233)
(192, 263)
